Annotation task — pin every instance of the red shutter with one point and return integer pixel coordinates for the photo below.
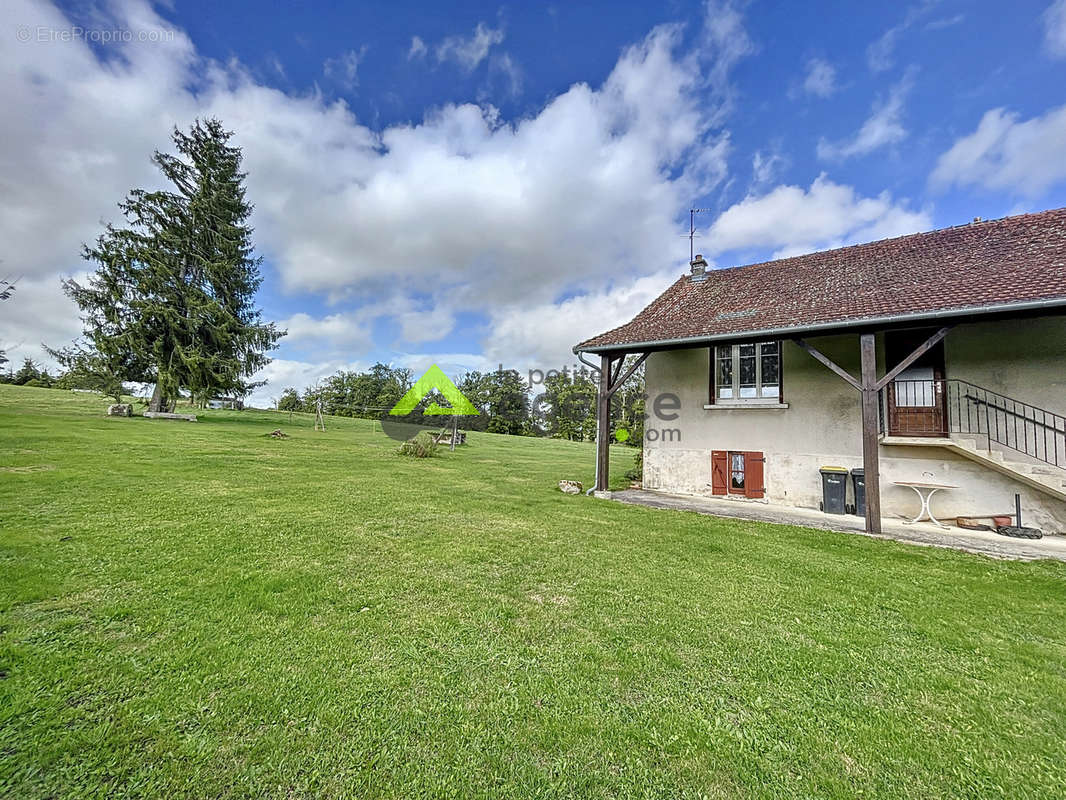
(719, 471)
(754, 482)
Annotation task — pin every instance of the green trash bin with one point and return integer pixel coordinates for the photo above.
(834, 490)
(858, 484)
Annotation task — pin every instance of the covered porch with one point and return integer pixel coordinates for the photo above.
(904, 394)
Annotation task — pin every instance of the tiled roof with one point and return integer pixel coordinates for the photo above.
(1014, 260)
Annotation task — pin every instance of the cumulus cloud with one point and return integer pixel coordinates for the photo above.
(791, 220)
(1054, 18)
(821, 78)
(469, 51)
(553, 226)
(491, 212)
(348, 330)
(883, 127)
(1007, 153)
(37, 313)
(541, 335)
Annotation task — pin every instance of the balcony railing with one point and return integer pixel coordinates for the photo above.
(943, 407)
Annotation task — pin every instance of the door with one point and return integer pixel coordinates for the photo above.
(917, 399)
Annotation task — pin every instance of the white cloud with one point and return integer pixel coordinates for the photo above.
(345, 68)
(511, 72)
(821, 78)
(764, 168)
(418, 48)
(1055, 29)
(944, 22)
(791, 220)
(883, 127)
(541, 336)
(1008, 154)
(726, 42)
(469, 51)
(37, 313)
(342, 330)
(880, 54)
(463, 209)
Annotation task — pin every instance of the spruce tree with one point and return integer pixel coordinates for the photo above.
(172, 301)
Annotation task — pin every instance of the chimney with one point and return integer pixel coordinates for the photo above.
(698, 264)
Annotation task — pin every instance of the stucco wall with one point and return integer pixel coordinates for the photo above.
(822, 424)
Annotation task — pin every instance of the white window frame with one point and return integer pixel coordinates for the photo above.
(770, 401)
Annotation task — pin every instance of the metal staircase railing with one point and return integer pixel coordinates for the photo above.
(942, 407)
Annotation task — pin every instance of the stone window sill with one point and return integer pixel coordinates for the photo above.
(734, 406)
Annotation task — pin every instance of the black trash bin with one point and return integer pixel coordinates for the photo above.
(834, 489)
(858, 484)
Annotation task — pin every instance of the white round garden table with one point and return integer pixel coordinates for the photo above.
(925, 492)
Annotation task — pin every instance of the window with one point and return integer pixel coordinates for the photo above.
(737, 472)
(746, 373)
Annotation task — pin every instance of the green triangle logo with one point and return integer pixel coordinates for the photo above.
(434, 379)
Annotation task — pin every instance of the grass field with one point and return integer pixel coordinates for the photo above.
(200, 610)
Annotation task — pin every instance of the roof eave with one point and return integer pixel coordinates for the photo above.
(827, 327)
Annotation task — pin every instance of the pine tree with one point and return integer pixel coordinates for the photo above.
(172, 300)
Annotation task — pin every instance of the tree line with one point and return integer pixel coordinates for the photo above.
(561, 406)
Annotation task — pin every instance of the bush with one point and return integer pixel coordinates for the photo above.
(420, 446)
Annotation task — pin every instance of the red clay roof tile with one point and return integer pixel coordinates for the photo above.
(994, 263)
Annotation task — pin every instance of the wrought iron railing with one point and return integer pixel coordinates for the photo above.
(942, 407)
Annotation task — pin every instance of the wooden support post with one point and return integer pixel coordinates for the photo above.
(603, 425)
(869, 432)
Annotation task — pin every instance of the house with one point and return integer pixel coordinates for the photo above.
(937, 357)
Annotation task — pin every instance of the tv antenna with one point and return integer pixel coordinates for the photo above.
(692, 212)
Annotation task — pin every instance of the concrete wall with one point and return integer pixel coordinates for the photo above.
(1025, 360)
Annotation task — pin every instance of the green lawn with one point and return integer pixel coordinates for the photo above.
(199, 610)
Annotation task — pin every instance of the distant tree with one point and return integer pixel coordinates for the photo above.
(86, 368)
(474, 387)
(311, 397)
(290, 400)
(172, 300)
(568, 405)
(508, 403)
(29, 371)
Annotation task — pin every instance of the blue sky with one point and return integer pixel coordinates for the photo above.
(480, 183)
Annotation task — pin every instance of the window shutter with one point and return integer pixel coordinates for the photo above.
(719, 471)
(754, 483)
